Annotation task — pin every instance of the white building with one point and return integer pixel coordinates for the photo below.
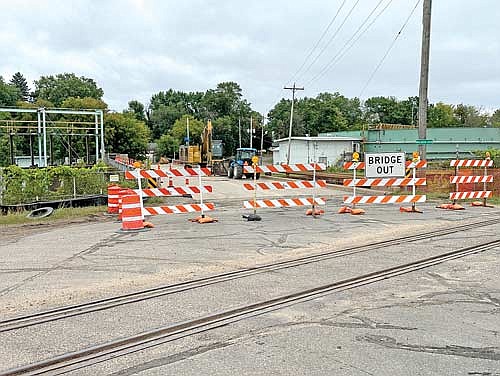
(329, 150)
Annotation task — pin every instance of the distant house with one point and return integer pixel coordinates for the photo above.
(329, 150)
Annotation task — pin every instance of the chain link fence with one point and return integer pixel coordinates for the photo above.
(25, 186)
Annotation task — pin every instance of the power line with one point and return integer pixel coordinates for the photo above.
(318, 42)
(331, 39)
(389, 49)
(346, 47)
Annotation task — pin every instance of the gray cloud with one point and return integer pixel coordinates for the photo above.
(135, 48)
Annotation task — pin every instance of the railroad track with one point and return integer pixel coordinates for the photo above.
(106, 351)
(104, 304)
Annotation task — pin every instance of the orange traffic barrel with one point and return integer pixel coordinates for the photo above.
(113, 198)
(122, 192)
(132, 218)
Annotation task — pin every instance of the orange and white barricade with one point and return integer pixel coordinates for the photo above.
(284, 168)
(277, 185)
(355, 182)
(461, 193)
(174, 191)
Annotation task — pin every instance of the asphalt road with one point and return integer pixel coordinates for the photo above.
(440, 321)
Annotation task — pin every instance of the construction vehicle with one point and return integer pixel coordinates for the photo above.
(243, 158)
(203, 154)
(198, 154)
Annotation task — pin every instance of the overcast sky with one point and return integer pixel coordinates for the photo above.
(135, 48)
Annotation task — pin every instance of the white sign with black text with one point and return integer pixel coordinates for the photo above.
(384, 165)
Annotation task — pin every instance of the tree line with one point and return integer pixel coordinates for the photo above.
(163, 120)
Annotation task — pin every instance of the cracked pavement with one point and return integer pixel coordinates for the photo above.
(444, 320)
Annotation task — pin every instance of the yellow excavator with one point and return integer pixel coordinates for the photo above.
(199, 154)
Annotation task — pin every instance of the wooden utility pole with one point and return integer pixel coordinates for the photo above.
(262, 134)
(424, 77)
(293, 89)
(239, 131)
(250, 130)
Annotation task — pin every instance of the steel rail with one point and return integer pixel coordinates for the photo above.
(114, 301)
(99, 353)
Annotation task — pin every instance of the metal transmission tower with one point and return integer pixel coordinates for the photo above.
(293, 89)
(424, 76)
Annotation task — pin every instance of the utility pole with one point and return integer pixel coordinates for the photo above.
(251, 132)
(262, 135)
(424, 77)
(187, 131)
(239, 130)
(293, 89)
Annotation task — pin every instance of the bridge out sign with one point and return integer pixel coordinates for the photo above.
(384, 165)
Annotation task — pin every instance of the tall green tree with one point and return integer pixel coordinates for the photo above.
(440, 115)
(167, 145)
(386, 110)
(279, 120)
(225, 100)
(4, 150)
(470, 116)
(20, 82)
(137, 109)
(179, 130)
(84, 103)
(168, 106)
(495, 118)
(123, 133)
(62, 86)
(9, 94)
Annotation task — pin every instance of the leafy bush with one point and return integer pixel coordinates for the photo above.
(29, 185)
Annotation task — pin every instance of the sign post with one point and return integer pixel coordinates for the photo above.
(355, 159)
(254, 216)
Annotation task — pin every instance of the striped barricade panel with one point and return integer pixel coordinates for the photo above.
(471, 163)
(384, 199)
(203, 171)
(146, 174)
(285, 168)
(354, 166)
(383, 182)
(419, 164)
(471, 179)
(178, 209)
(174, 191)
(361, 165)
(465, 195)
(198, 171)
(285, 185)
(283, 202)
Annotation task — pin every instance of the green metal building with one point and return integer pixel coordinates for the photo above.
(446, 143)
